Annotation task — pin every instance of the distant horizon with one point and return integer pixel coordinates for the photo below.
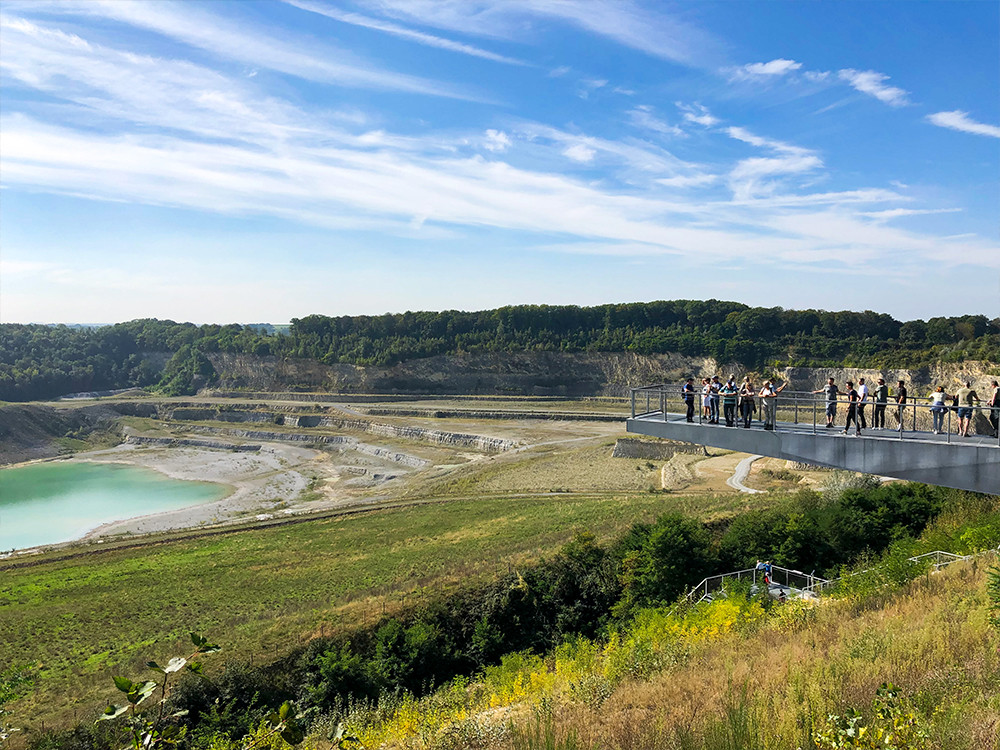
(202, 160)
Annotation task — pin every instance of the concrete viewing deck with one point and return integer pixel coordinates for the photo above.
(967, 463)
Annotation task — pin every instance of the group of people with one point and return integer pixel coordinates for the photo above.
(739, 403)
(744, 397)
(858, 399)
(964, 402)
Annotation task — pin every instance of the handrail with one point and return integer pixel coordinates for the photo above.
(652, 401)
(942, 560)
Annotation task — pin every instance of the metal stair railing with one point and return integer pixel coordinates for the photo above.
(807, 582)
(792, 579)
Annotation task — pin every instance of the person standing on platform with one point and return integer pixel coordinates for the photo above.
(939, 408)
(769, 403)
(729, 395)
(747, 404)
(994, 404)
(706, 400)
(900, 403)
(714, 387)
(965, 398)
(853, 397)
(862, 402)
(832, 391)
(881, 398)
(687, 393)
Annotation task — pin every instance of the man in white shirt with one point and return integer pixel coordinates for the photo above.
(862, 402)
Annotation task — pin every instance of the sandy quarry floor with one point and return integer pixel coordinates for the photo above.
(271, 483)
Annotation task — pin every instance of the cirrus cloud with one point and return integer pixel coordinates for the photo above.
(959, 120)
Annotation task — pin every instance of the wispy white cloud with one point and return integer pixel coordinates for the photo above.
(115, 85)
(419, 37)
(896, 213)
(688, 181)
(697, 114)
(645, 28)
(496, 141)
(873, 83)
(742, 134)
(643, 117)
(215, 34)
(752, 177)
(761, 70)
(589, 85)
(959, 120)
(580, 152)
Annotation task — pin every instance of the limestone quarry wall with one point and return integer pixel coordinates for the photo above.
(659, 450)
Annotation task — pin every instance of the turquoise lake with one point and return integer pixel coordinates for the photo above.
(56, 502)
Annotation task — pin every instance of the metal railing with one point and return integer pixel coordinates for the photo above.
(796, 580)
(807, 409)
(793, 579)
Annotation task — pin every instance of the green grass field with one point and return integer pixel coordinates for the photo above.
(262, 592)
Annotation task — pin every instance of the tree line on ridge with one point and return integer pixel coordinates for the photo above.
(41, 361)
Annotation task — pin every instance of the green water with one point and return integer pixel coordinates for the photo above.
(56, 502)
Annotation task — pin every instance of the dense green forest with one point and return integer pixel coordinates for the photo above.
(39, 361)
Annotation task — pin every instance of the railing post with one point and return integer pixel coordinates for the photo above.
(796, 417)
(633, 403)
(663, 404)
(949, 424)
(814, 415)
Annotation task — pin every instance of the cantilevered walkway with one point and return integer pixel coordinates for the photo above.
(916, 453)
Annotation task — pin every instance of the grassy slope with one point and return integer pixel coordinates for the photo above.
(932, 639)
(729, 676)
(263, 591)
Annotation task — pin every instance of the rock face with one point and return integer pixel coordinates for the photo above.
(515, 373)
(349, 443)
(538, 374)
(28, 432)
(659, 450)
(483, 443)
(174, 442)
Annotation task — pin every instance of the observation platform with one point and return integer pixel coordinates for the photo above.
(800, 434)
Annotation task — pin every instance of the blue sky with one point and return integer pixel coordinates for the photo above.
(258, 161)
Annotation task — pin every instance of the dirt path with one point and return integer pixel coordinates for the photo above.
(740, 474)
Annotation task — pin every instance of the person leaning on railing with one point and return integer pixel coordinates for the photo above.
(900, 403)
(938, 408)
(965, 397)
(832, 391)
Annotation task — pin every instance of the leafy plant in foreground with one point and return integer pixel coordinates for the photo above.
(166, 730)
(14, 681)
(161, 730)
(895, 725)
